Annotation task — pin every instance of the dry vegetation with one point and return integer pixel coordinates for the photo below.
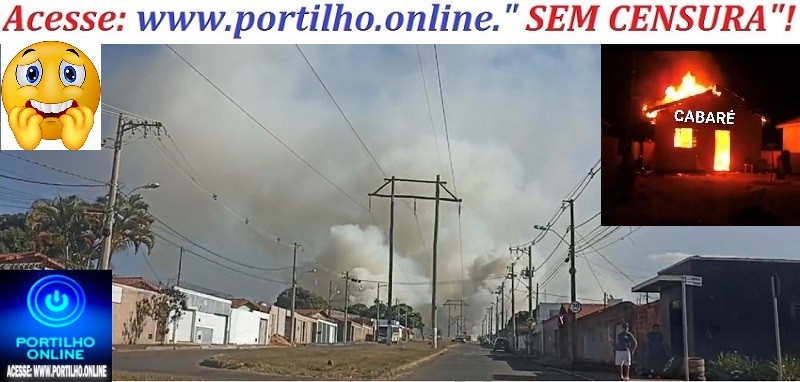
(363, 361)
(131, 376)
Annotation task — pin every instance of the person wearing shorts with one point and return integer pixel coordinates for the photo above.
(626, 345)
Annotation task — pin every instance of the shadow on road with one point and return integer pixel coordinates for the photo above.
(514, 362)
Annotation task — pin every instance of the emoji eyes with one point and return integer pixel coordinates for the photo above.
(29, 75)
(71, 75)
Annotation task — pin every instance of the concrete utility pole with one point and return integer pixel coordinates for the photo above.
(294, 289)
(124, 125)
(180, 265)
(776, 287)
(573, 292)
(378, 311)
(489, 327)
(330, 296)
(440, 185)
(497, 312)
(503, 306)
(513, 308)
(346, 297)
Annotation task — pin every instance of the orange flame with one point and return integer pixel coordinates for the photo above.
(688, 87)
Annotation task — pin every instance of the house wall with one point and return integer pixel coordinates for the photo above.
(734, 316)
(246, 326)
(123, 313)
(549, 338)
(745, 137)
(791, 142)
(183, 328)
(596, 333)
(278, 321)
(214, 322)
(325, 332)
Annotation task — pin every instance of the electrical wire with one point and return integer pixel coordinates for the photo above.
(49, 183)
(53, 168)
(428, 104)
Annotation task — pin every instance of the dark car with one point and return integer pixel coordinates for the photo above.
(502, 343)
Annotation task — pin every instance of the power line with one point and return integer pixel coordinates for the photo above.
(263, 127)
(588, 220)
(215, 253)
(53, 168)
(610, 263)
(347, 120)
(428, 103)
(50, 183)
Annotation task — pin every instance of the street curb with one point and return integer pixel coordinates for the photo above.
(192, 347)
(418, 362)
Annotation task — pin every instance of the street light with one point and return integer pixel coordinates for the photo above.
(148, 186)
(105, 258)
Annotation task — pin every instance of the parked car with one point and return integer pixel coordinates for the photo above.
(501, 343)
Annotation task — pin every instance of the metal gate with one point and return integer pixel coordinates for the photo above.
(204, 335)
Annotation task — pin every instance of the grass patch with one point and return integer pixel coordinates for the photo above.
(362, 361)
(131, 376)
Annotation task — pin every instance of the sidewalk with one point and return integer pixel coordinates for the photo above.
(584, 372)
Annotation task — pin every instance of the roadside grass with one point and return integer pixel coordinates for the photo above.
(133, 376)
(357, 361)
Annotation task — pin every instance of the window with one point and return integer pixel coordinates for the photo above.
(684, 138)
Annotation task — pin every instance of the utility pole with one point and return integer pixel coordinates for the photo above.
(378, 312)
(440, 185)
(503, 306)
(346, 297)
(775, 293)
(513, 308)
(573, 292)
(294, 288)
(489, 326)
(330, 296)
(124, 125)
(497, 314)
(180, 265)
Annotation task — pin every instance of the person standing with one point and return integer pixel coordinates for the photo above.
(625, 347)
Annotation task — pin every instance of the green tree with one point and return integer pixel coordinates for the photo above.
(359, 310)
(13, 237)
(61, 228)
(132, 224)
(305, 299)
(166, 308)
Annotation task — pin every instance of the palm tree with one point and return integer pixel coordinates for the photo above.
(61, 229)
(132, 227)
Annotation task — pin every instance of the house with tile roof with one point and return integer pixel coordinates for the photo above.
(28, 261)
(249, 323)
(131, 325)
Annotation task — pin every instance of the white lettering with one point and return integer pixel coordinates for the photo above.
(19, 371)
(710, 117)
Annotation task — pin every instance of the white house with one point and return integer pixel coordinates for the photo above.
(207, 319)
(249, 323)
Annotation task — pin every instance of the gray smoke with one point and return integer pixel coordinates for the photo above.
(511, 110)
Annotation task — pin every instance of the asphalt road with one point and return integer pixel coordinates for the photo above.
(470, 362)
(185, 363)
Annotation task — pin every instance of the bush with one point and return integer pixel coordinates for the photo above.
(738, 367)
(791, 368)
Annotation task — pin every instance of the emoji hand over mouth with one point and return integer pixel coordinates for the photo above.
(76, 124)
(24, 122)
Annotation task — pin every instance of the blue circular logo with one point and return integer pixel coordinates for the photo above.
(56, 301)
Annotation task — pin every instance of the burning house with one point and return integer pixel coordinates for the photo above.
(703, 128)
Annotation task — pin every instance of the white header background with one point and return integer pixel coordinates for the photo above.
(9, 49)
(510, 16)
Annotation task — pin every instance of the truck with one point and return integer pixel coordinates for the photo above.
(383, 329)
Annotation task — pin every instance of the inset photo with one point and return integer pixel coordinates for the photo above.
(700, 136)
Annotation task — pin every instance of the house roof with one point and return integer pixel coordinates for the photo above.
(722, 92)
(790, 123)
(136, 282)
(586, 309)
(339, 315)
(240, 302)
(727, 258)
(28, 260)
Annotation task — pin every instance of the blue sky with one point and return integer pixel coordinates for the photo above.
(522, 126)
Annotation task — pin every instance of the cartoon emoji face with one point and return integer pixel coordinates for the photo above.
(51, 90)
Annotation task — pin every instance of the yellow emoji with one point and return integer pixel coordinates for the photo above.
(51, 90)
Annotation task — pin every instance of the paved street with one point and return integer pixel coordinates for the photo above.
(470, 362)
